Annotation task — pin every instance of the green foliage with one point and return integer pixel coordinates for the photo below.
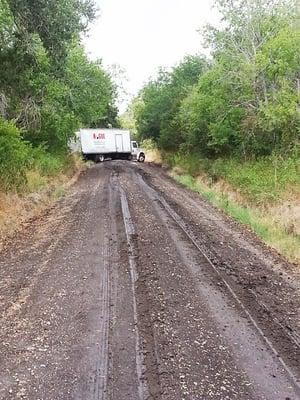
(83, 96)
(245, 103)
(148, 145)
(153, 104)
(91, 90)
(260, 182)
(159, 100)
(15, 157)
(128, 121)
(47, 164)
(48, 86)
(56, 22)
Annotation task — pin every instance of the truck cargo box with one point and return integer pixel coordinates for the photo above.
(114, 143)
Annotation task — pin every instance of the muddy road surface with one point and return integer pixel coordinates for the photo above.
(132, 288)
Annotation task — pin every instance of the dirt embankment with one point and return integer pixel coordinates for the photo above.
(17, 210)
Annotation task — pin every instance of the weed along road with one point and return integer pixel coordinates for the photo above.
(132, 288)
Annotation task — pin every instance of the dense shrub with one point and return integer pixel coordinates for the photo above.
(15, 157)
(48, 86)
(245, 102)
(47, 163)
(261, 182)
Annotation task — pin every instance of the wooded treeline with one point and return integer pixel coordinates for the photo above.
(244, 100)
(48, 87)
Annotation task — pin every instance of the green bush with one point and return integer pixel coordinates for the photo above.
(148, 144)
(260, 181)
(18, 158)
(15, 157)
(46, 163)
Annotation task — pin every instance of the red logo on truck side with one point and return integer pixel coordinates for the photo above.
(99, 136)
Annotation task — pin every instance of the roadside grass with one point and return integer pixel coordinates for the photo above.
(30, 177)
(58, 192)
(51, 169)
(262, 195)
(44, 182)
(35, 181)
(260, 182)
(152, 153)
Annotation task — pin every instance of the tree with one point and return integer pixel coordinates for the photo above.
(48, 87)
(253, 31)
(56, 22)
(245, 102)
(161, 99)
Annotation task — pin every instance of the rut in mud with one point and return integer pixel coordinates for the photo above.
(134, 288)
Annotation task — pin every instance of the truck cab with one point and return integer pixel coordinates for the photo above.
(136, 152)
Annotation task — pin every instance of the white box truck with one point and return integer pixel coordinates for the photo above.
(99, 144)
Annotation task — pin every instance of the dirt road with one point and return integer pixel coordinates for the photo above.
(133, 288)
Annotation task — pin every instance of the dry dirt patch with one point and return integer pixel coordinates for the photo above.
(16, 210)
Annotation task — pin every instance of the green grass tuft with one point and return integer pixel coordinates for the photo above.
(260, 182)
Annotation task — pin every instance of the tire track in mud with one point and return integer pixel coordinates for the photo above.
(145, 365)
(194, 362)
(52, 347)
(110, 341)
(122, 374)
(242, 257)
(130, 234)
(157, 197)
(40, 265)
(285, 324)
(101, 371)
(147, 360)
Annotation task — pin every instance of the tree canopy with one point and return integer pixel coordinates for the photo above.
(48, 87)
(243, 101)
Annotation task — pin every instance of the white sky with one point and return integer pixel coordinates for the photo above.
(141, 35)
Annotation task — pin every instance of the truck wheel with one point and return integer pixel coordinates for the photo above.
(101, 158)
(141, 158)
(129, 157)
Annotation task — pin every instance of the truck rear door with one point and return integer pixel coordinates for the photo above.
(119, 143)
